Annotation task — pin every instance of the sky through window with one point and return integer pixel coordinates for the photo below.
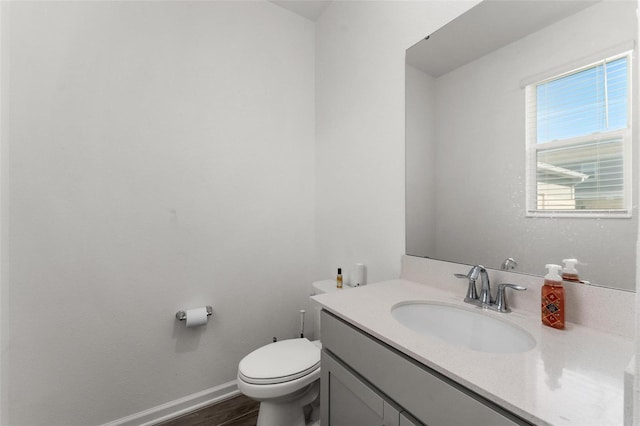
(585, 102)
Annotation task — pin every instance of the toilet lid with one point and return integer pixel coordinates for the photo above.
(280, 362)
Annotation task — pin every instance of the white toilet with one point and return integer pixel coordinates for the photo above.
(284, 376)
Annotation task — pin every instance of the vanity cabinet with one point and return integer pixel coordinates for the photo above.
(366, 382)
(351, 401)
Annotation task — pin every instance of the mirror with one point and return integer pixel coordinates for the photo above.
(466, 135)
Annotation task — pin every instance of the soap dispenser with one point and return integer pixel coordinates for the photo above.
(553, 298)
(569, 272)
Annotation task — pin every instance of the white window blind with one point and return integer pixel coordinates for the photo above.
(578, 142)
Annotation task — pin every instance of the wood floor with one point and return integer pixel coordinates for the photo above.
(237, 411)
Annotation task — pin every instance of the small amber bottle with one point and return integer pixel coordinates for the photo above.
(339, 278)
(552, 305)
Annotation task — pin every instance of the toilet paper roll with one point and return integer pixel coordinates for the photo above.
(358, 275)
(196, 317)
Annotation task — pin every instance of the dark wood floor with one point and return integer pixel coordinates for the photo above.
(237, 411)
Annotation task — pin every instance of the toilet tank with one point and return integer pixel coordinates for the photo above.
(320, 287)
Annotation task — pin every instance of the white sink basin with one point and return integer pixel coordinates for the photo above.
(464, 327)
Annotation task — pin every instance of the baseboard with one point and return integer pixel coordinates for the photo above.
(179, 406)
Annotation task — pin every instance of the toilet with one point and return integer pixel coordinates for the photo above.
(285, 375)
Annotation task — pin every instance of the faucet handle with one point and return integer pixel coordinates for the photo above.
(473, 273)
(472, 293)
(501, 298)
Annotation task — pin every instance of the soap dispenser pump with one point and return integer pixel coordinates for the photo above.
(569, 272)
(552, 301)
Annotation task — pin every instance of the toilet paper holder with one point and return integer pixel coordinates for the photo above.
(182, 315)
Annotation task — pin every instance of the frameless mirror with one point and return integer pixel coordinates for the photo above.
(475, 172)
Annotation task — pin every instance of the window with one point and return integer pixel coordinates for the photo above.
(579, 142)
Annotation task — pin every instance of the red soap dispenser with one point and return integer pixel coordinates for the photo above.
(553, 298)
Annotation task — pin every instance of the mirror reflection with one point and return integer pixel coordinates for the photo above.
(519, 137)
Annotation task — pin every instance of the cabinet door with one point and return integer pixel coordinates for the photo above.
(350, 401)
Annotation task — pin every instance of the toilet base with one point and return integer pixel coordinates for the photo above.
(288, 412)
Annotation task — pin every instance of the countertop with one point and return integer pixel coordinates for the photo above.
(573, 376)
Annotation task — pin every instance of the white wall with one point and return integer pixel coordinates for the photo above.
(3, 190)
(635, 398)
(160, 158)
(360, 77)
(490, 158)
(420, 162)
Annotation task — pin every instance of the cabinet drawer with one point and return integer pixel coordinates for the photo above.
(426, 394)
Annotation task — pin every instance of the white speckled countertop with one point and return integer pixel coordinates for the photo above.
(571, 377)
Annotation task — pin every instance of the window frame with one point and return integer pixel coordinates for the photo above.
(532, 147)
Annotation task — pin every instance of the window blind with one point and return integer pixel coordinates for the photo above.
(578, 138)
(585, 102)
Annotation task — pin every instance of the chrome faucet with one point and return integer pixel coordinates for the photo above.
(508, 264)
(485, 300)
(485, 293)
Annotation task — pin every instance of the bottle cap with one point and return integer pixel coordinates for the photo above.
(339, 270)
(570, 266)
(553, 275)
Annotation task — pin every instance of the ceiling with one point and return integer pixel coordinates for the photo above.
(310, 9)
(484, 28)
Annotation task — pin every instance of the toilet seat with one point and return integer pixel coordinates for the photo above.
(280, 362)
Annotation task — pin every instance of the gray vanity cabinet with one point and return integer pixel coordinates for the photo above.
(364, 382)
(353, 402)
(406, 421)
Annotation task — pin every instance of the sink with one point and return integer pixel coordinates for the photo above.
(463, 327)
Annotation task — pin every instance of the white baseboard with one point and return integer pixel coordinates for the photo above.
(179, 406)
